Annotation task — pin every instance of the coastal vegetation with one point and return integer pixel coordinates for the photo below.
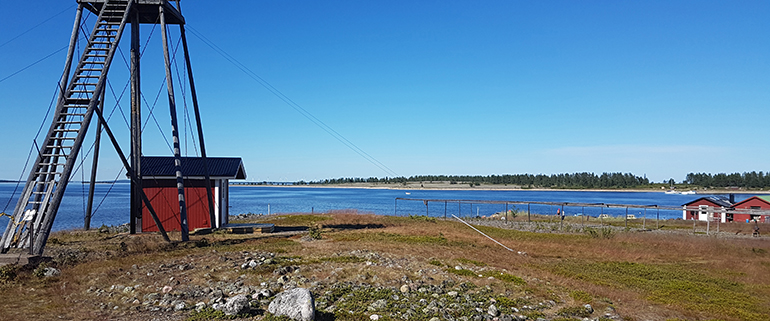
(404, 268)
(585, 180)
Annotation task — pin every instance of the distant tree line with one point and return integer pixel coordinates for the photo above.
(576, 180)
(744, 180)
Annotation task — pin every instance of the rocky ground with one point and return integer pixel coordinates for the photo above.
(356, 267)
(344, 283)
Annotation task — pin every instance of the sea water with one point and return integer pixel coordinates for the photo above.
(111, 202)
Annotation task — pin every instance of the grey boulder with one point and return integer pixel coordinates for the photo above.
(236, 305)
(297, 304)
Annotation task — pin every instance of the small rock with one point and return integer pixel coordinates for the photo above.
(404, 288)
(589, 308)
(51, 272)
(452, 294)
(297, 304)
(378, 305)
(374, 317)
(167, 289)
(236, 305)
(492, 310)
(435, 319)
(180, 306)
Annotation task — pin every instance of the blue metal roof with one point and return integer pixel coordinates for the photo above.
(192, 167)
(716, 199)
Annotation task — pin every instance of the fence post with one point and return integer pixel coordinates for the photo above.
(626, 217)
(528, 219)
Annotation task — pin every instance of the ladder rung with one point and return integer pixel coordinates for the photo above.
(51, 155)
(96, 55)
(66, 130)
(47, 173)
(34, 202)
(81, 91)
(50, 164)
(70, 114)
(84, 84)
(68, 122)
(87, 76)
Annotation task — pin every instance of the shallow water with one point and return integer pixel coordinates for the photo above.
(112, 208)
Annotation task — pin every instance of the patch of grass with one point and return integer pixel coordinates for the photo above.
(8, 273)
(343, 259)
(515, 235)
(670, 284)
(271, 317)
(422, 218)
(210, 314)
(436, 262)
(533, 315)
(581, 296)
(297, 220)
(579, 312)
(393, 237)
(463, 272)
(315, 232)
(505, 277)
(505, 302)
(604, 232)
(467, 261)
(277, 245)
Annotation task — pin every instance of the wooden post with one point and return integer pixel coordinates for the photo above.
(529, 220)
(626, 217)
(445, 205)
(92, 184)
(209, 193)
(135, 215)
(601, 216)
(174, 130)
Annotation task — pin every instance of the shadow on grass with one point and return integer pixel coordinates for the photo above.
(354, 226)
(279, 229)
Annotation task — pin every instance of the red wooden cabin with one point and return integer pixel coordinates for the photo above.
(704, 204)
(159, 183)
(758, 203)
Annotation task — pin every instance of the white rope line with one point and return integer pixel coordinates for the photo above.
(482, 233)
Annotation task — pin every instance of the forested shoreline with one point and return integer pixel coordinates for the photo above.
(585, 180)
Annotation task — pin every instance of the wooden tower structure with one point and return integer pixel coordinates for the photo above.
(81, 97)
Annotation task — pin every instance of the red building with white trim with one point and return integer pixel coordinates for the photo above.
(757, 203)
(705, 206)
(159, 184)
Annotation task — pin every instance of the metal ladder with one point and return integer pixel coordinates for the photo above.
(39, 202)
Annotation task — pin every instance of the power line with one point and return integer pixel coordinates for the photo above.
(293, 104)
(35, 26)
(34, 63)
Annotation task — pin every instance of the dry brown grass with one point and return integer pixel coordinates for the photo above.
(565, 263)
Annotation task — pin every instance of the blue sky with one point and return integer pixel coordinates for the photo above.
(656, 88)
